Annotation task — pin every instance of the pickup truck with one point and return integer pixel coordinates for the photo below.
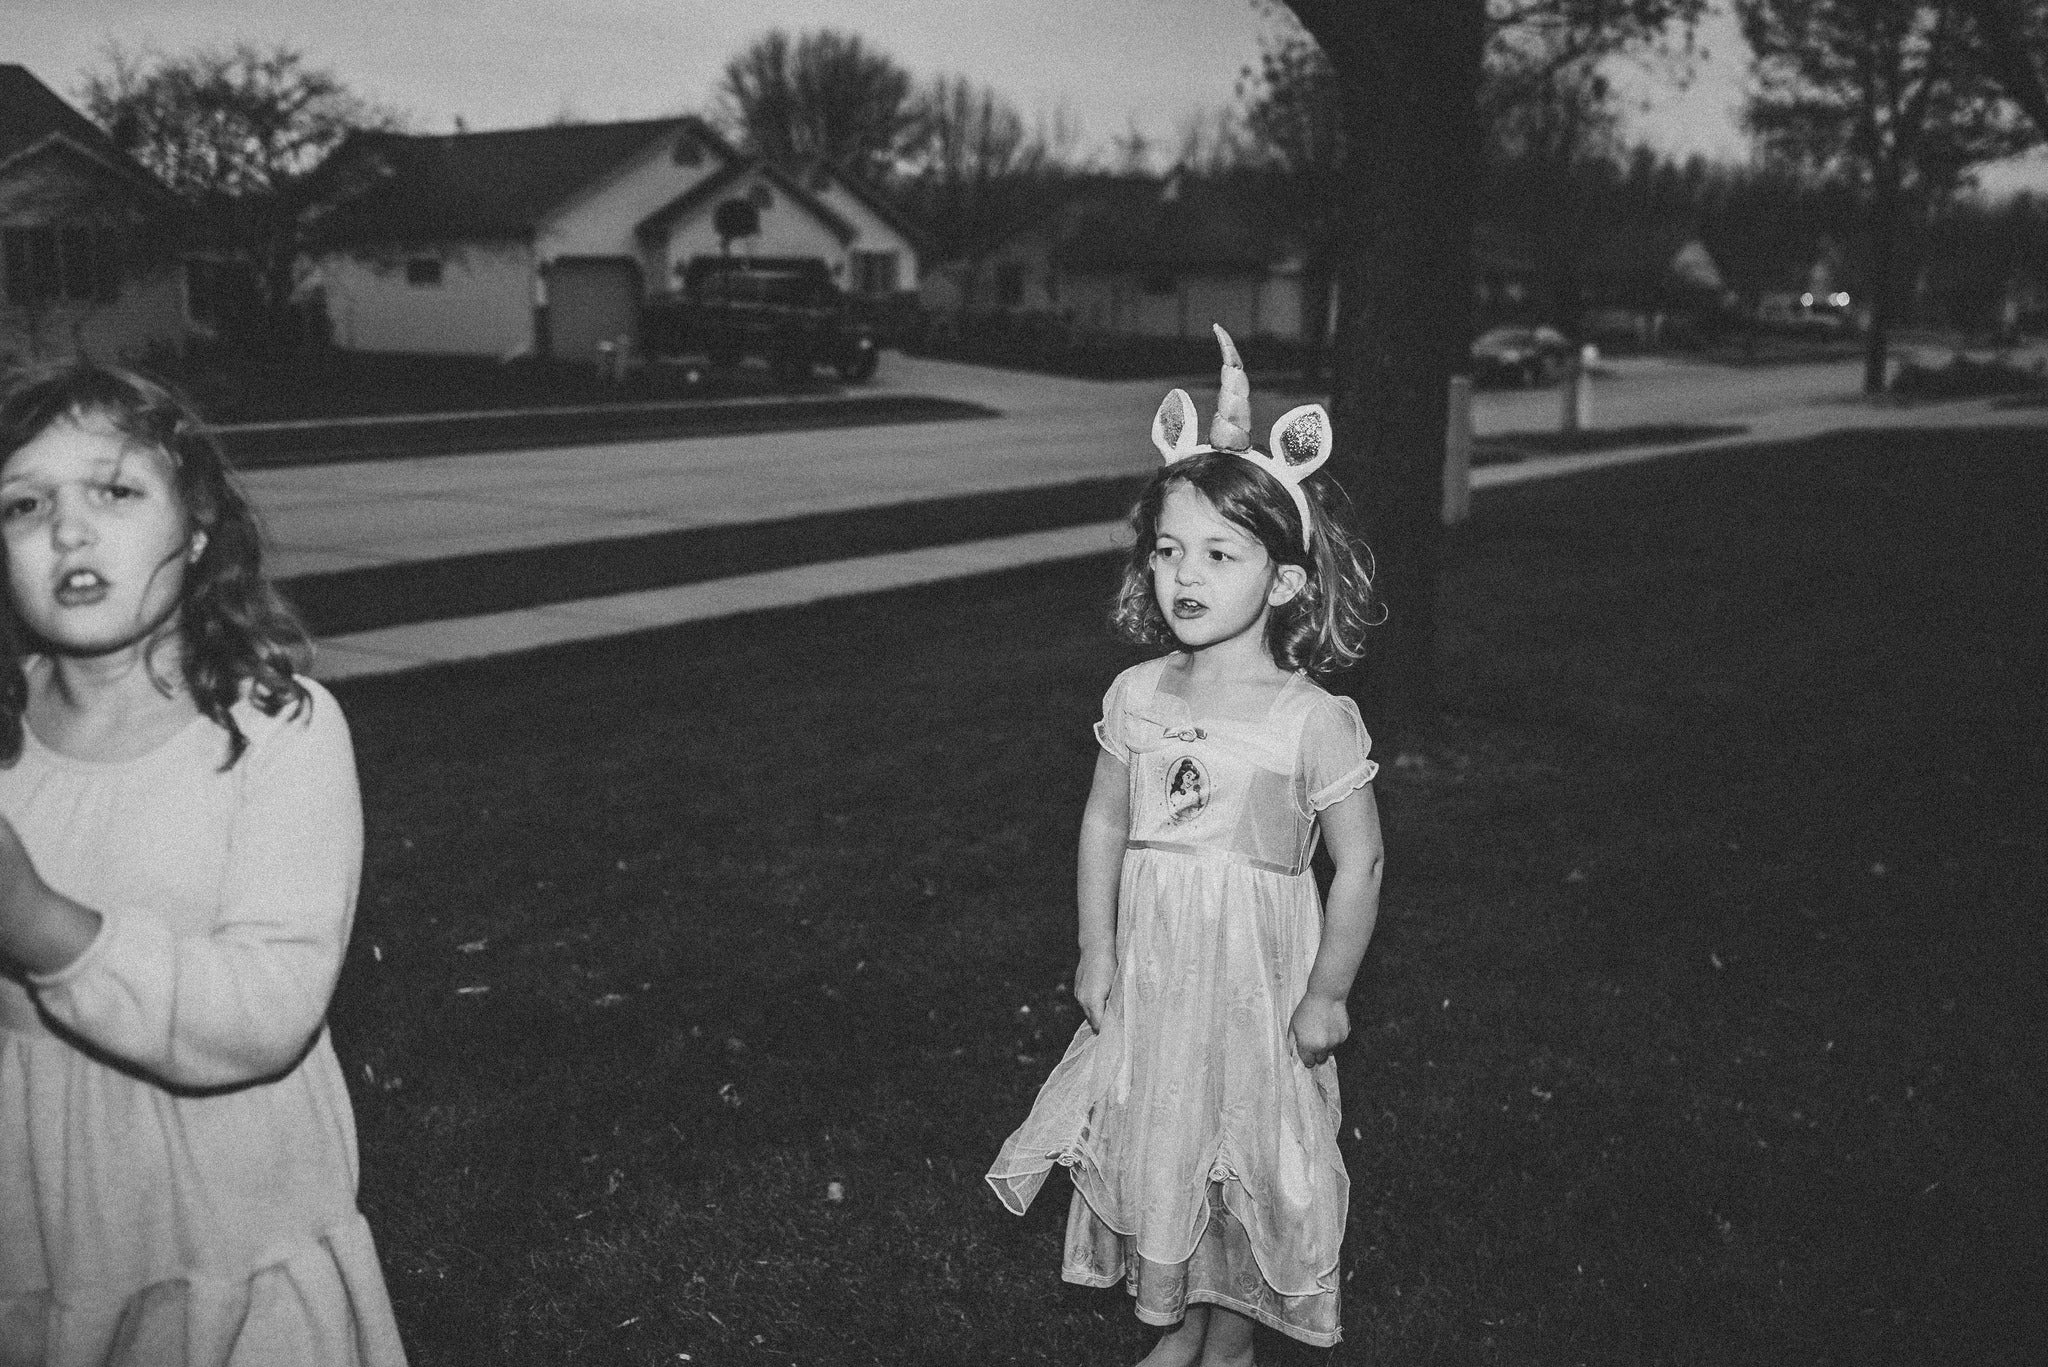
(782, 310)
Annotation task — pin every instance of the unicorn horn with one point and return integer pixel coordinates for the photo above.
(1232, 428)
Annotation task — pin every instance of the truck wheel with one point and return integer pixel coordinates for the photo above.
(860, 366)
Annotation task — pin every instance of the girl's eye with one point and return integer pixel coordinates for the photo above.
(1219, 555)
(20, 506)
(116, 491)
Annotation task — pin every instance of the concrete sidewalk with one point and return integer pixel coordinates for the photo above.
(1053, 431)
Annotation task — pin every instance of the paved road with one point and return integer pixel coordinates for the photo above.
(1052, 431)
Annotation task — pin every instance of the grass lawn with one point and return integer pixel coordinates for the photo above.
(1702, 1025)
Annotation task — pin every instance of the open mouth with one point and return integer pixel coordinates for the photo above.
(81, 588)
(1188, 608)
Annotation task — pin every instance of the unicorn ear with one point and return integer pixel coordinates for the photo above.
(1173, 427)
(1301, 441)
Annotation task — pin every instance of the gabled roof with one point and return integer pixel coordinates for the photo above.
(712, 186)
(1143, 223)
(880, 206)
(34, 118)
(398, 186)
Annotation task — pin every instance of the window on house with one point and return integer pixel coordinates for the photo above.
(76, 261)
(423, 270)
(874, 272)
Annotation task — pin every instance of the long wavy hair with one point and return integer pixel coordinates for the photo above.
(1321, 629)
(238, 637)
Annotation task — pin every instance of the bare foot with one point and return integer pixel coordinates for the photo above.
(1229, 1340)
(1180, 1346)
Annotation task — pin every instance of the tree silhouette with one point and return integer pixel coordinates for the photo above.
(1407, 83)
(1897, 98)
(824, 96)
(235, 132)
(976, 171)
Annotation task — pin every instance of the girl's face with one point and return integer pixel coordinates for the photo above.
(1213, 580)
(96, 535)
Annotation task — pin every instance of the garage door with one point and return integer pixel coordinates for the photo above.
(591, 300)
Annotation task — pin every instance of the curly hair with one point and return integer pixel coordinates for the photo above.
(1322, 628)
(239, 637)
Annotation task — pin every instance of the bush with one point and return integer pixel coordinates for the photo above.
(1963, 378)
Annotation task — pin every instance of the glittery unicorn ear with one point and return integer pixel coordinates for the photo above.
(1301, 442)
(1232, 428)
(1173, 427)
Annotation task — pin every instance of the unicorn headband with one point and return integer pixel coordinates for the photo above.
(1300, 440)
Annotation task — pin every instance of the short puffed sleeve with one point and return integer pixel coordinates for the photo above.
(1334, 753)
(1109, 732)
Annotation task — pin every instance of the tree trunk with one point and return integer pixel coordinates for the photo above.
(1409, 74)
(1884, 233)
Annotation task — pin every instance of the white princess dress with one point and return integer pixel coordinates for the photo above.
(1203, 1152)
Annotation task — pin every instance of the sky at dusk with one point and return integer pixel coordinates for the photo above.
(1108, 65)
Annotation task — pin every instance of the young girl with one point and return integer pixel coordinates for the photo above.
(180, 838)
(1197, 1108)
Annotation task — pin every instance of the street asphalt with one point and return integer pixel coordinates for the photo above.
(347, 531)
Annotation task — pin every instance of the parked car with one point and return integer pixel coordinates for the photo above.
(1805, 315)
(782, 310)
(1520, 355)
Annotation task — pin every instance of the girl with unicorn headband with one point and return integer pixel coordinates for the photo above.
(1197, 1109)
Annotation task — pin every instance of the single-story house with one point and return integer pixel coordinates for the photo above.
(1141, 255)
(88, 238)
(547, 241)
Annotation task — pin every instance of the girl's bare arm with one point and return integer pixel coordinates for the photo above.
(1105, 825)
(1351, 830)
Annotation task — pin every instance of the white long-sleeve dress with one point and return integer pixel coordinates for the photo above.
(177, 1150)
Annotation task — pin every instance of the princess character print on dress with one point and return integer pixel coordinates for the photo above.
(1187, 789)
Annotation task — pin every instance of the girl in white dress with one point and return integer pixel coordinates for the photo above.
(180, 839)
(1196, 1110)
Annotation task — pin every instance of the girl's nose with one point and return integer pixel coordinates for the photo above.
(70, 525)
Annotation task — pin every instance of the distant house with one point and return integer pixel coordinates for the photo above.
(546, 241)
(88, 238)
(1138, 255)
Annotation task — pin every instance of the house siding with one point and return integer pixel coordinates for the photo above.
(874, 233)
(148, 311)
(601, 222)
(787, 229)
(484, 305)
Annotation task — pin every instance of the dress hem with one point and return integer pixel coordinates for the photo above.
(1257, 1257)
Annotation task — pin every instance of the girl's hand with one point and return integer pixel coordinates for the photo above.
(19, 882)
(1092, 979)
(1319, 1025)
(40, 931)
